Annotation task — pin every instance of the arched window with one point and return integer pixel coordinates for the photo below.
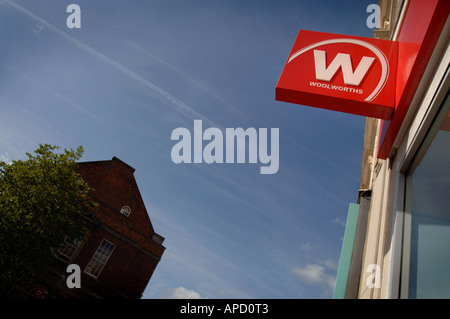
(125, 210)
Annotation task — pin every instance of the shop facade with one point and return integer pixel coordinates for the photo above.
(397, 238)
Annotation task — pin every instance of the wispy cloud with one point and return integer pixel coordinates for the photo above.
(316, 274)
(5, 158)
(183, 293)
(195, 83)
(51, 91)
(338, 221)
(305, 246)
(328, 192)
(38, 28)
(172, 99)
(184, 247)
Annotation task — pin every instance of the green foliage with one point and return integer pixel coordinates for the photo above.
(42, 200)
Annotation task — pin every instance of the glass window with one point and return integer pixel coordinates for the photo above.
(428, 195)
(125, 210)
(68, 249)
(100, 258)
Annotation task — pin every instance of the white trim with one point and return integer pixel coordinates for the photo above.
(431, 91)
(431, 95)
(393, 290)
(400, 19)
(125, 210)
(426, 102)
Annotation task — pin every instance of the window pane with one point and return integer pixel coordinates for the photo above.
(68, 249)
(100, 258)
(430, 229)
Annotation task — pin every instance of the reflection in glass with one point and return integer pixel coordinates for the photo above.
(430, 231)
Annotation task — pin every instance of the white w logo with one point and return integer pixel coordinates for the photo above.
(343, 61)
(350, 77)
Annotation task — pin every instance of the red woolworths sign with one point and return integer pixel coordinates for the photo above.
(341, 73)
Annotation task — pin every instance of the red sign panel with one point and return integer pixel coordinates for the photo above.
(421, 27)
(341, 73)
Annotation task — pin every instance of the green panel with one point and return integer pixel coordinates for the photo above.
(346, 252)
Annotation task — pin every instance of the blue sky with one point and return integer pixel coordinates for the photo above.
(137, 70)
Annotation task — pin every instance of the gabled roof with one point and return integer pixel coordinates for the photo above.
(114, 187)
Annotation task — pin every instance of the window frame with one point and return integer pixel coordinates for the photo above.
(95, 259)
(427, 102)
(76, 244)
(125, 211)
(408, 194)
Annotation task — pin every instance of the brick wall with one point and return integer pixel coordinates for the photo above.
(135, 256)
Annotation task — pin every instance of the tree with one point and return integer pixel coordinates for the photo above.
(42, 200)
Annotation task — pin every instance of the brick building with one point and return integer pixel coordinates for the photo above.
(121, 249)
